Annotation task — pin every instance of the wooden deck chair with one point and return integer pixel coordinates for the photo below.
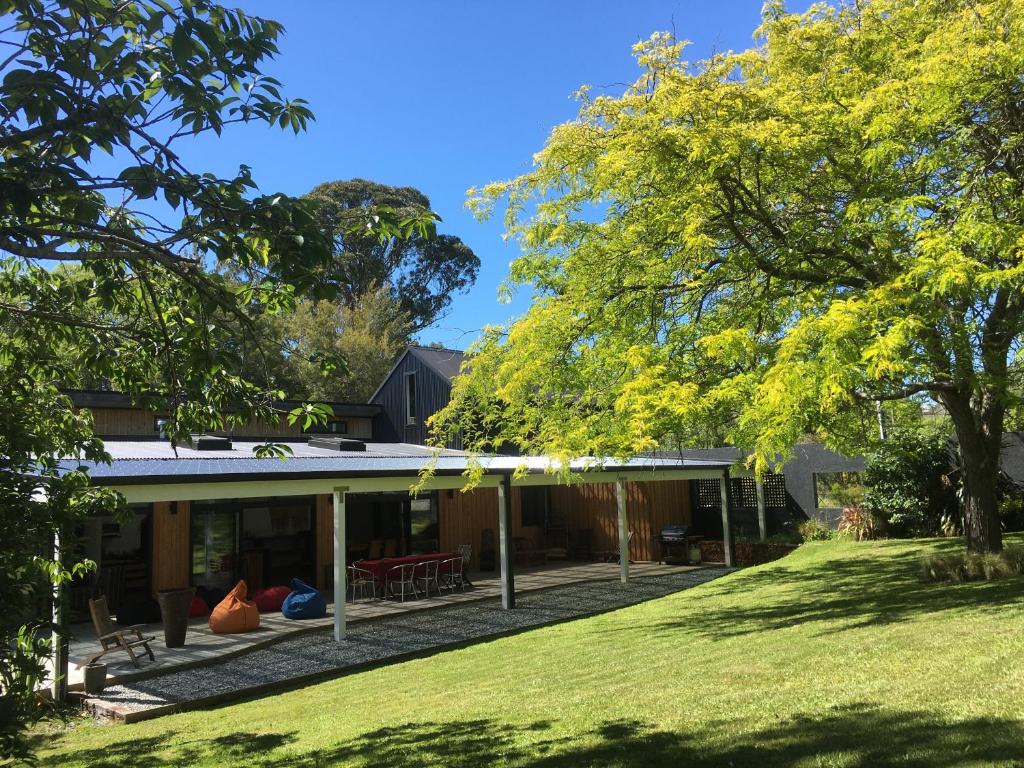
(114, 638)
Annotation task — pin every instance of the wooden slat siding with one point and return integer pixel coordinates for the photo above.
(432, 394)
(123, 422)
(135, 422)
(462, 518)
(324, 526)
(171, 545)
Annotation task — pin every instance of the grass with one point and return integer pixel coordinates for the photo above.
(837, 655)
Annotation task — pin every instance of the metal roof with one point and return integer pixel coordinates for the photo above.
(155, 462)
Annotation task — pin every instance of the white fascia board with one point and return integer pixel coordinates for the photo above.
(612, 476)
(143, 494)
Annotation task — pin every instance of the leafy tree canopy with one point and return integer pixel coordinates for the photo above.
(772, 240)
(328, 351)
(111, 259)
(422, 272)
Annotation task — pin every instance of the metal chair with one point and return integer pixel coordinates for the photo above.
(466, 550)
(451, 573)
(425, 574)
(359, 579)
(401, 576)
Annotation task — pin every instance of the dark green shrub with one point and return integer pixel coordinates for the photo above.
(813, 529)
(909, 490)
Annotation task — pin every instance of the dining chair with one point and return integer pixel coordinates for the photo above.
(451, 573)
(400, 578)
(426, 574)
(359, 579)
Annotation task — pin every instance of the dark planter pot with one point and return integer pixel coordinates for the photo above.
(174, 608)
(95, 678)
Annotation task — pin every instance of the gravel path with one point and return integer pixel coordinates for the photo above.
(381, 639)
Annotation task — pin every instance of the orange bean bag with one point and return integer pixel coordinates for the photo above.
(234, 613)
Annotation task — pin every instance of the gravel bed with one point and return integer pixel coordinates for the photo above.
(380, 639)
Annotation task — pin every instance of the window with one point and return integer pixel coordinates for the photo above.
(423, 529)
(410, 398)
(535, 503)
(335, 427)
(835, 490)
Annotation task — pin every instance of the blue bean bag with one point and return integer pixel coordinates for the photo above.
(305, 602)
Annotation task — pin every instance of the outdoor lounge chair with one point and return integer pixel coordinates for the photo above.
(112, 638)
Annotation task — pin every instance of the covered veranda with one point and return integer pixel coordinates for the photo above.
(173, 483)
(342, 476)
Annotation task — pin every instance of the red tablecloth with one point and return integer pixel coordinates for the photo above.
(379, 568)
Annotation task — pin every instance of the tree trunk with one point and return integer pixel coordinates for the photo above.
(981, 502)
(979, 446)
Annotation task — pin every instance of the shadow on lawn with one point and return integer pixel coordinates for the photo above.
(845, 593)
(858, 735)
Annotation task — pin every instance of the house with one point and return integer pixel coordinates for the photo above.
(418, 386)
(212, 512)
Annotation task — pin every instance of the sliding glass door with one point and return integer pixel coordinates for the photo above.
(214, 545)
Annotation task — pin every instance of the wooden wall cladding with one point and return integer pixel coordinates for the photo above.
(651, 506)
(135, 422)
(124, 422)
(324, 526)
(171, 538)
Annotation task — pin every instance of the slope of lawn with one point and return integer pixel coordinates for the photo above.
(837, 655)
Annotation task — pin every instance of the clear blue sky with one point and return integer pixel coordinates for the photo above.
(444, 96)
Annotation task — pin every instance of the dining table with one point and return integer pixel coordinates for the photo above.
(380, 566)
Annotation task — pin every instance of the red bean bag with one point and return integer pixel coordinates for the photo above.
(234, 613)
(270, 599)
(198, 608)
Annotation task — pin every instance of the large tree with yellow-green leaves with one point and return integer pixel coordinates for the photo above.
(772, 241)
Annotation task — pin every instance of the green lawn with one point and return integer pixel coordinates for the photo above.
(836, 655)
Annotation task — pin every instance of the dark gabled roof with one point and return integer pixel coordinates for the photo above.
(1011, 457)
(446, 363)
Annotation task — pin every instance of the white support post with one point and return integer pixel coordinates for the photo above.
(508, 584)
(762, 513)
(726, 523)
(339, 564)
(59, 635)
(620, 502)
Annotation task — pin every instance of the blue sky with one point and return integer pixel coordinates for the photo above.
(447, 95)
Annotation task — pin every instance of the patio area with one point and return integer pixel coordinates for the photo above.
(203, 647)
(300, 659)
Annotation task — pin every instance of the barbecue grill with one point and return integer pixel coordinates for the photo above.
(676, 543)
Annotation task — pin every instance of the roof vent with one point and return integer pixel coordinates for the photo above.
(211, 443)
(337, 444)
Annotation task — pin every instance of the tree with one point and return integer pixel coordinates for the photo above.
(422, 273)
(774, 240)
(111, 250)
(362, 342)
